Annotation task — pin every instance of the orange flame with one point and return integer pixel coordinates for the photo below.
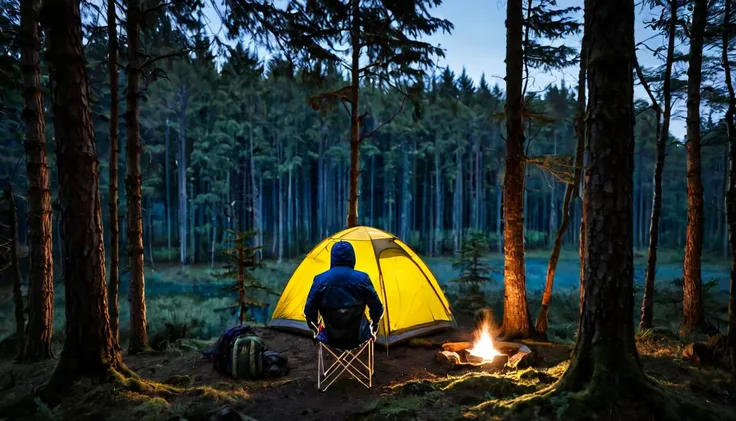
(483, 346)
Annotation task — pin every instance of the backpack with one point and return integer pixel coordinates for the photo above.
(246, 360)
(240, 354)
(221, 352)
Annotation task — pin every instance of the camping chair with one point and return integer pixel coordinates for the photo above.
(343, 327)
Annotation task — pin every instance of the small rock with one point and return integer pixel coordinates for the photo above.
(456, 346)
(448, 358)
(499, 361)
(523, 359)
(178, 380)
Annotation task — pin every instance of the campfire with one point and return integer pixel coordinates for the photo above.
(485, 353)
(483, 346)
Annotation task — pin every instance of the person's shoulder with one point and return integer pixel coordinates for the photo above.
(362, 276)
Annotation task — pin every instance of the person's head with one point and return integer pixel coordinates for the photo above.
(342, 255)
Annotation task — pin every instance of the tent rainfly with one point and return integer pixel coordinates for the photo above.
(413, 301)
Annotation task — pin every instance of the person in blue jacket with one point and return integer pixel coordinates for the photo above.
(340, 287)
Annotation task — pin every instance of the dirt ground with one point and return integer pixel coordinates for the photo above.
(295, 396)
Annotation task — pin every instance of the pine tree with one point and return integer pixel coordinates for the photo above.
(474, 272)
(112, 290)
(241, 261)
(694, 319)
(731, 191)
(663, 135)
(390, 33)
(605, 361)
(41, 274)
(133, 194)
(516, 319)
(89, 349)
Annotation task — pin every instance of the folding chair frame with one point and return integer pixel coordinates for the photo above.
(346, 361)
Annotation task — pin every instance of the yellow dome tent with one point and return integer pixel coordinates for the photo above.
(413, 301)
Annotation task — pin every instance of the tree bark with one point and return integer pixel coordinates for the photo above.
(113, 202)
(731, 193)
(648, 300)
(352, 219)
(14, 272)
(693, 317)
(605, 356)
(581, 157)
(570, 189)
(41, 267)
(516, 319)
(89, 349)
(138, 332)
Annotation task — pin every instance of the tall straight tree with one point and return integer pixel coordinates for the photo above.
(693, 316)
(138, 333)
(580, 153)
(648, 300)
(112, 66)
(605, 360)
(41, 268)
(516, 319)
(89, 349)
(390, 33)
(731, 192)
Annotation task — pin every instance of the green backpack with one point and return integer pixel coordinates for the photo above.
(247, 358)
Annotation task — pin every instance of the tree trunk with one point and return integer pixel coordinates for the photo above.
(138, 333)
(352, 219)
(113, 201)
(89, 349)
(605, 360)
(516, 320)
(648, 300)
(458, 202)
(581, 156)
(372, 192)
(693, 317)
(437, 202)
(731, 193)
(168, 190)
(182, 173)
(499, 211)
(541, 324)
(41, 266)
(14, 272)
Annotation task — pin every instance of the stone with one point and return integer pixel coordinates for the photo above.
(456, 346)
(499, 362)
(522, 360)
(448, 358)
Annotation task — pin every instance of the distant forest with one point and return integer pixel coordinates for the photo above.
(239, 143)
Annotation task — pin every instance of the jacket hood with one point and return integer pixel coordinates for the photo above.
(342, 255)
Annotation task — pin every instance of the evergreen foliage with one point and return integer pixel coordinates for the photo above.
(470, 260)
(241, 261)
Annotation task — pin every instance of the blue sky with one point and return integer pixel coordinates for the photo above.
(478, 43)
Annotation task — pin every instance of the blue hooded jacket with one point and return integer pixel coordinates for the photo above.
(343, 286)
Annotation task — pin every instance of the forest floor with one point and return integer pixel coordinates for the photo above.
(409, 385)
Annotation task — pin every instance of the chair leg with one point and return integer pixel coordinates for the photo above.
(347, 361)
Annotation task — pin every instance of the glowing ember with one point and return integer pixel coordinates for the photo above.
(483, 346)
